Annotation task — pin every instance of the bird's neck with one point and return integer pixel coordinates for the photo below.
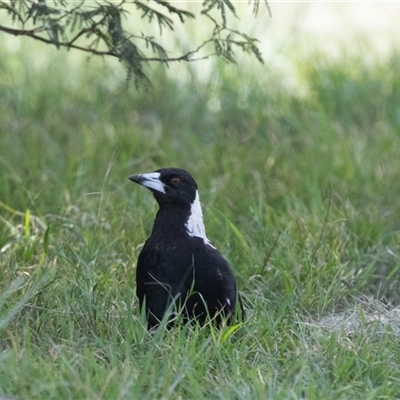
(170, 222)
(180, 220)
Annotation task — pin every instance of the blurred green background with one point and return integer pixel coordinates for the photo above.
(297, 163)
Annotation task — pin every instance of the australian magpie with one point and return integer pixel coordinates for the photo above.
(178, 266)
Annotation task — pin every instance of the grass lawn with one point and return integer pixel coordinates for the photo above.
(300, 182)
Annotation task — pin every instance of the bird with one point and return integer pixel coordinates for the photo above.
(178, 267)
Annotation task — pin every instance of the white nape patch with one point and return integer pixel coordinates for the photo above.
(195, 225)
(152, 181)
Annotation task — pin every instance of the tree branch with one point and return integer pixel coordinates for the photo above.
(184, 57)
(99, 29)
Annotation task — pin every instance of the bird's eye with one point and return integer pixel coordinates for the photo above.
(174, 181)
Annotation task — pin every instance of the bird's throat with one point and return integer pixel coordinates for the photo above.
(181, 221)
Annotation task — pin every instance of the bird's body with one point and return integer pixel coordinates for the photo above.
(178, 266)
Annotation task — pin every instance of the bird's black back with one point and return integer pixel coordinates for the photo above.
(175, 267)
(178, 266)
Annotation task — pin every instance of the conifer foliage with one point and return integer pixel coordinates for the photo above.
(104, 28)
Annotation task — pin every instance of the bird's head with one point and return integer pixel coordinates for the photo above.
(169, 185)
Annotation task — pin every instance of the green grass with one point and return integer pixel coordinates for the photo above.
(300, 187)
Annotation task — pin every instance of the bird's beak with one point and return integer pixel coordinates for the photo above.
(151, 181)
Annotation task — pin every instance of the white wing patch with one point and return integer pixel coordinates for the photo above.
(195, 225)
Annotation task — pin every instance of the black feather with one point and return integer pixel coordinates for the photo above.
(176, 266)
